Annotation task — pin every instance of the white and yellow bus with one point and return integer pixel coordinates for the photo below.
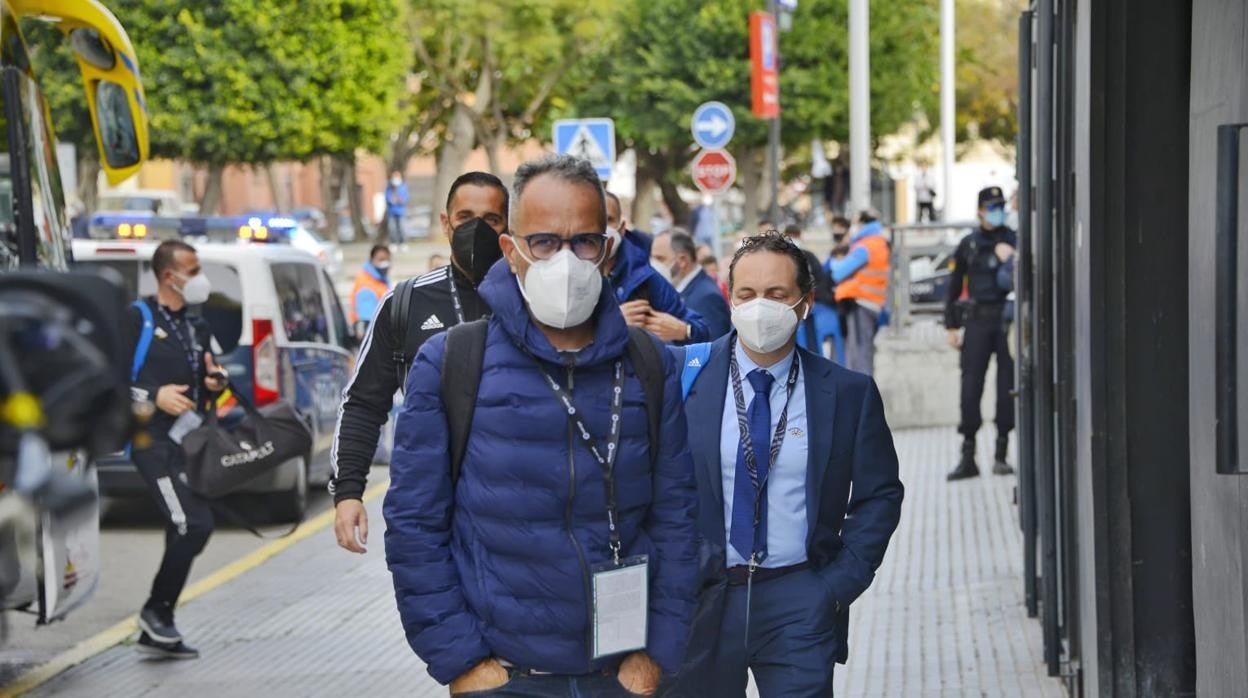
(49, 563)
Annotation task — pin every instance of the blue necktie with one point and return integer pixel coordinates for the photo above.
(759, 417)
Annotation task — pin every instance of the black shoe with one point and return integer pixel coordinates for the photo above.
(157, 623)
(165, 650)
(999, 465)
(966, 465)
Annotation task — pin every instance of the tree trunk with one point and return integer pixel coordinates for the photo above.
(331, 185)
(675, 204)
(276, 190)
(353, 191)
(643, 203)
(492, 146)
(751, 167)
(453, 153)
(211, 200)
(88, 179)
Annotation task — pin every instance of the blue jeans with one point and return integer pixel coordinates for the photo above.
(523, 685)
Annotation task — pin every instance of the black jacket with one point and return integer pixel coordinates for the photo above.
(369, 395)
(976, 261)
(168, 362)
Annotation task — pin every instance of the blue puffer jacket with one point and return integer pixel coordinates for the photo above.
(632, 274)
(502, 567)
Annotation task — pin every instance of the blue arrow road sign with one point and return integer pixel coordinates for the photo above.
(591, 139)
(713, 125)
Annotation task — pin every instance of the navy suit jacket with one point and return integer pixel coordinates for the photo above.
(853, 494)
(702, 295)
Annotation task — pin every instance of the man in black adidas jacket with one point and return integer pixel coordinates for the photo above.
(476, 214)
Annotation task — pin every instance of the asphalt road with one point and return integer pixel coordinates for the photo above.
(131, 543)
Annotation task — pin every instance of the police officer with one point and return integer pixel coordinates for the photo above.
(177, 373)
(984, 329)
(476, 214)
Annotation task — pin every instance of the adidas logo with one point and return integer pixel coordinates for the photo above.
(694, 362)
(432, 323)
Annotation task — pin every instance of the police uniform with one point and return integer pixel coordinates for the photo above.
(982, 316)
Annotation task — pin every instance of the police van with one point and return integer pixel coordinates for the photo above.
(280, 331)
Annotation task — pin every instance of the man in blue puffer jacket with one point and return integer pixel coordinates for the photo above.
(494, 572)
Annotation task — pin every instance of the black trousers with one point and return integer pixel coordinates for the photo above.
(984, 337)
(188, 518)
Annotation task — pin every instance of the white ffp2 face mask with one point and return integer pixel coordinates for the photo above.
(561, 291)
(196, 289)
(764, 325)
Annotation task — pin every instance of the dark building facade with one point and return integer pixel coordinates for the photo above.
(1132, 258)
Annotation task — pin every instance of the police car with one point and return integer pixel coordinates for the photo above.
(279, 330)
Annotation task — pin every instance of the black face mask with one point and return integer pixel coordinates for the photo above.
(474, 245)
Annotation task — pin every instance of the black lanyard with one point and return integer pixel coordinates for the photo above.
(188, 346)
(743, 425)
(459, 307)
(606, 462)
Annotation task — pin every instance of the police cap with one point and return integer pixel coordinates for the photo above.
(990, 195)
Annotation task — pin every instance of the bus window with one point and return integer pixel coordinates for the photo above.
(48, 197)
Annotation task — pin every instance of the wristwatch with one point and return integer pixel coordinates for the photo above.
(688, 331)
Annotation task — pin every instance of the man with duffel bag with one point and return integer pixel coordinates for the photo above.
(186, 457)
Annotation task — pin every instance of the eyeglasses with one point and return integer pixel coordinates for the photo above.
(587, 246)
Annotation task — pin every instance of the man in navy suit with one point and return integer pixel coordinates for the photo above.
(798, 492)
(677, 255)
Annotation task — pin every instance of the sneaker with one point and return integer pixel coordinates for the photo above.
(165, 650)
(158, 625)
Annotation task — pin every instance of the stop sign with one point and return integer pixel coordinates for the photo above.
(714, 171)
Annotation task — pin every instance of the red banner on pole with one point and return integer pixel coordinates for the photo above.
(764, 66)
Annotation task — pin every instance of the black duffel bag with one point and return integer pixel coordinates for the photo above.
(220, 459)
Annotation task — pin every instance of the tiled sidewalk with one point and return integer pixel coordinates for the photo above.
(944, 618)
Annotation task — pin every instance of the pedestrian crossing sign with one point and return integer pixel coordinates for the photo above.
(590, 139)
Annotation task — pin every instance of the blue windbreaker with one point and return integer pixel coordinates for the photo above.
(499, 564)
(632, 271)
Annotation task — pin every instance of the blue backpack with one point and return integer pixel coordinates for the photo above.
(145, 339)
(695, 358)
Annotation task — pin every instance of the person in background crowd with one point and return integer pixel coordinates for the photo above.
(710, 265)
(396, 206)
(985, 329)
(819, 323)
(644, 293)
(677, 253)
(180, 376)
(617, 222)
(436, 261)
(925, 195)
(798, 490)
(371, 285)
(494, 561)
(704, 221)
(861, 279)
(476, 214)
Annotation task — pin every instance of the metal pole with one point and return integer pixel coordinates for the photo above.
(1025, 298)
(773, 133)
(859, 104)
(947, 124)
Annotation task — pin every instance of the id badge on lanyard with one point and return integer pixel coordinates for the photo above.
(620, 605)
(620, 587)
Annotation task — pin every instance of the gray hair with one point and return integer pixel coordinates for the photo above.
(682, 243)
(566, 168)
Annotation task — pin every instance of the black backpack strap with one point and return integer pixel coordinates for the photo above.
(400, 309)
(648, 366)
(461, 377)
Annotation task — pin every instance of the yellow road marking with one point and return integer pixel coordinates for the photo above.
(107, 638)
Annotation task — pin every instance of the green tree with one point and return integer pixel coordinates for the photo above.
(496, 66)
(650, 82)
(987, 69)
(251, 82)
